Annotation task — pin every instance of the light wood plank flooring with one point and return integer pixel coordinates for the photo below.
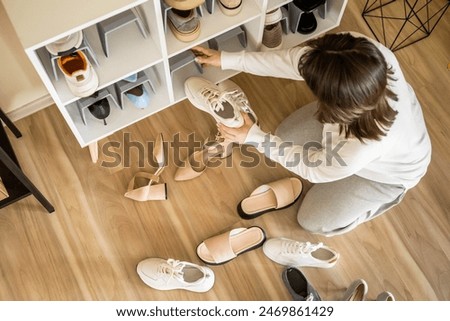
(88, 249)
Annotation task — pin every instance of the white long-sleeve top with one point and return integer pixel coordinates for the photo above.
(401, 157)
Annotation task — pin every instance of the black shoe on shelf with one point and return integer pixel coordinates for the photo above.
(100, 109)
(307, 24)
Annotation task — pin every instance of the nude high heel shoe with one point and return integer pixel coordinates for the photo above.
(357, 291)
(145, 186)
(198, 161)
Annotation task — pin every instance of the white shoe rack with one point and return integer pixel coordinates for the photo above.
(129, 52)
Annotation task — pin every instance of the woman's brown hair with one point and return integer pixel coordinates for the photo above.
(349, 76)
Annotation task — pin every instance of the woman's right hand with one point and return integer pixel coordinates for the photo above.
(206, 56)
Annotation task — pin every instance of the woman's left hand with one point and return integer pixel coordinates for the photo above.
(237, 135)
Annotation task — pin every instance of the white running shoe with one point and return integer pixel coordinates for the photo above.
(80, 76)
(207, 96)
(171, 274)
(239, 97)
(299, 254)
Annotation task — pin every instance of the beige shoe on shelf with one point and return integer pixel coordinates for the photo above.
(145, 186)
(185, 24)
(272, 37)
(230, 7)
(184, 4)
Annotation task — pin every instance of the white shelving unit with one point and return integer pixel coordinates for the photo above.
(38, 24)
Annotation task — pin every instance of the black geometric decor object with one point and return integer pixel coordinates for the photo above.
(400, 23)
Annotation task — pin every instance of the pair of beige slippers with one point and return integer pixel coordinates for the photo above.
(222, 248)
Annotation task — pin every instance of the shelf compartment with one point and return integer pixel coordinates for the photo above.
(214, 24)
(211, 73)
(334, 13)
(119, 118)
(125, 58)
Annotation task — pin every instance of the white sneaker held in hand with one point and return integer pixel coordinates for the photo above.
(239, 97)
(172, 274)
(299, 254)
(208, 97)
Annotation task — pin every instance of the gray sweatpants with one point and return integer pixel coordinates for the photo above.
(335, 207)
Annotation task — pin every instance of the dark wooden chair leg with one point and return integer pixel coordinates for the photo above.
(9, 163)
(10, 124)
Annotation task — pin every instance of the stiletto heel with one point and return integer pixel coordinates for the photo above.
(151, 189)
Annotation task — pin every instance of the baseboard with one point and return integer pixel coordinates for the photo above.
(30, 108)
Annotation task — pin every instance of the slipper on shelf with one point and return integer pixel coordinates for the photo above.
(220, 249)
(270, 197)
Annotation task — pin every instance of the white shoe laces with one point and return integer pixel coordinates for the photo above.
(240, 98)
(214, 98)
(295, 248)
(171, 269)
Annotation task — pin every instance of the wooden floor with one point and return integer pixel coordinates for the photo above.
(88, 249)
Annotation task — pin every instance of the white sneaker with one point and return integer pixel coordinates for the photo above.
(239, 97)
(171, 274)
(81, 77)
(299, 254)
(207, 96)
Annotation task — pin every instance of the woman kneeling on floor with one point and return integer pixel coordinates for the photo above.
(367, 126)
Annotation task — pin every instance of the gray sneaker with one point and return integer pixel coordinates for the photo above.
(184, 24)
(298, 286)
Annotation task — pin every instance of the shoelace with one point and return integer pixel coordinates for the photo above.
(293, 248)
(239, 97)
(171, 269)
(214, 98)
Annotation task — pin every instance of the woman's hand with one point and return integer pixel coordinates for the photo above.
(207, 57)
(237, 135)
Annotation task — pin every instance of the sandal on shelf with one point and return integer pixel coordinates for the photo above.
(224, 247)
(145, 186)
(270, 197)
(200, 160)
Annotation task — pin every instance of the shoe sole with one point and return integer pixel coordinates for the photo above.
(273, 17)
(230, 11)
(184, 5)
(185, 37)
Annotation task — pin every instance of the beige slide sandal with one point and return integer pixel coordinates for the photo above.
(270, 197)
(224, 247)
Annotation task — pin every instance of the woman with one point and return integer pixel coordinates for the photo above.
(363, 142)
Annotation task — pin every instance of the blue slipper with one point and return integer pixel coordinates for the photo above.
(139, 97)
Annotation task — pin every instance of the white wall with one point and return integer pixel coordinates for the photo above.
(21, 90)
